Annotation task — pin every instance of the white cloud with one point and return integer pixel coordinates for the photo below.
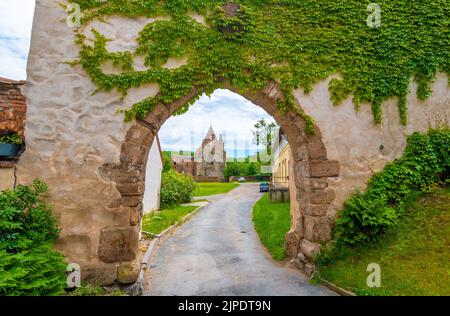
(230, 115)
(16, 18)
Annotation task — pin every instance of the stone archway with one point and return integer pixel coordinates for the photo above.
(311, 223)
(94, 163)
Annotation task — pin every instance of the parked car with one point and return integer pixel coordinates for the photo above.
(264, 187)
(241, 179)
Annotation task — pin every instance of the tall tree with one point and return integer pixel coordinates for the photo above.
(263, 134)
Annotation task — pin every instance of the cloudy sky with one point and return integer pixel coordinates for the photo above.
(230, 114)
(16, 17)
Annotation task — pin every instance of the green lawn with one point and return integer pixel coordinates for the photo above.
(212, 188)
(157, 222)
(414, 259)
(272, 221)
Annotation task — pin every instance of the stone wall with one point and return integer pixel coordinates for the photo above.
(362, 147)
(13, 107)
(71, 133)
(95, 164)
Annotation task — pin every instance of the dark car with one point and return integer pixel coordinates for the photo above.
(264, 187)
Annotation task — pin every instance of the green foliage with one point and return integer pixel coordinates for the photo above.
(272, 221)
(413, 256)
(28, 263)
(242, 169)
(11, 139)
(26, 218)
(296, 42)
(176, 188)
(367, 216)
(263, 134)
(167, 162)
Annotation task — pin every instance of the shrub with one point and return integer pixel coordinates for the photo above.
(242, 169)
(368, 215)
(176, 188)
(28, 263)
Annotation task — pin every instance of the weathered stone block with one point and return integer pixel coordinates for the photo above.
(317, 228)
(128, 272)
(324, 168)
(127, 201)
(133, 153)
(99, 274)
(136, 214)
(292, 243)
(316, 150)
(316, 210)
(131, 188)
(322, 196)
(140, 135)
(302, 257)
(118, 244)
(309, 269)
(122, 172)
(298, 264)
(318, 183)
(310, 249)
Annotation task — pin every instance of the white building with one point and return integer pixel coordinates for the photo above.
(153, 177)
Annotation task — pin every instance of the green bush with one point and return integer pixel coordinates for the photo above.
(368, 215)
(28, 263)
(242, 169)
(176, 188)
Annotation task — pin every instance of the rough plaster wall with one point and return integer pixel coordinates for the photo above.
(354, 139)
(71, 133)
(6, 178)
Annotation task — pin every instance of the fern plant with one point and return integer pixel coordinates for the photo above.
(28, 263)
(366, 216)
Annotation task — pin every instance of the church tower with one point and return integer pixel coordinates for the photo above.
(210, 157)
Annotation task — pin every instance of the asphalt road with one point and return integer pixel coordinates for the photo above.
(219, 253)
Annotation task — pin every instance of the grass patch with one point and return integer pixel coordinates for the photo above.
(159, 221)
(87, 289)
(213, 188)
(414, 257)
(272, 221)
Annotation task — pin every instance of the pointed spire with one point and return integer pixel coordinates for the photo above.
(211, 134)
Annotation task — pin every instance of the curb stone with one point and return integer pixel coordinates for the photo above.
(336, 288)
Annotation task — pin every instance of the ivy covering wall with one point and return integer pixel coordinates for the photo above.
(294, 42)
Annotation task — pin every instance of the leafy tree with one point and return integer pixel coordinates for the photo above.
(262, 135)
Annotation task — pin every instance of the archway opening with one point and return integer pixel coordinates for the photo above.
(311, 223)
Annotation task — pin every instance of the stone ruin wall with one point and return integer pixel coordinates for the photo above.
(72, 134)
